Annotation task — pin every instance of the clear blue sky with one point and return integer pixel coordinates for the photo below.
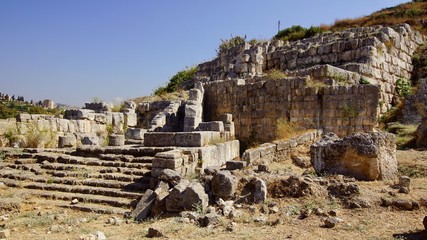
(72, 51)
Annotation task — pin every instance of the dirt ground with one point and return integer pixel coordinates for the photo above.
(38, 219)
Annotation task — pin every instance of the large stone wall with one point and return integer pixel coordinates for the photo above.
(257, 106)
(382, 54)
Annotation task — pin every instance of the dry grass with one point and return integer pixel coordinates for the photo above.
(413, 13)
(311, 83)
(287, 130)
(178, 95)
(275, 74)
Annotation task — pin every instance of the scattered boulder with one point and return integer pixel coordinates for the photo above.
(341, 189)
(263, 168)
(401, 204)
(302, 162)
(224, 184)
(404, 184)
(170, 176)
(365, 156)
(234, 165)
(209, 220)
(142, 210)
(260, 190)
(227, 207)
(331, 222)
(154, 233)
(161, 191)
(293, 186)
(186, 196)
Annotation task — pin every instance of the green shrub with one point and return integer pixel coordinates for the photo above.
(403, 87)
(176, 80)
(297, 32)
(363, 81)
(230, 43)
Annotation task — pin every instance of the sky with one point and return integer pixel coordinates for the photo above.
(73, 51)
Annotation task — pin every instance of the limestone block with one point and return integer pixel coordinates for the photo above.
(135, 133)
(116, 140)
(130, 119)
(143, 107)
(217, 126)
(90, 139)
(195, 95)
(171, 163)
(365, 156)
(23, 117)
(185, 196)
(67, 141)
(224, 184)
(143, 208)
(226, 118)
(129, 104)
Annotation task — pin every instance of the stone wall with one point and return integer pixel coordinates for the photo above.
(382, 54)
(257, 106)
(161, 116)
(279, 150)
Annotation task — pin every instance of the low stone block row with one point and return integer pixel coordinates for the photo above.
(278, 150)
(181, 139)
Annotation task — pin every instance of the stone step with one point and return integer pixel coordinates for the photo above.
(113, 175)
(139, 185)
(126, 158)
(64, 159)
(25, 161)
(34, 167)
(117, 202)
(87, 207)
(136, 151)
(80, 189)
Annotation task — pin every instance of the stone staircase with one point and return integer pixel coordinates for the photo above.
(103, 180)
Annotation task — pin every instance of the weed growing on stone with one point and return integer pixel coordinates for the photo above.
(287, 130)
(403, 87)
(363, 81)
(314, 84)
(275, 74)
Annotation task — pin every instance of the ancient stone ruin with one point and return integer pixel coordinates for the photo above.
(143, 160)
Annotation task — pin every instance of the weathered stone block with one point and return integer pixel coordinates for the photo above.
(67, 141)
(234, 165)
(216, 126)
(135, 133)
(142, 210)
(185, 196)
(116, 140)
(365, 156)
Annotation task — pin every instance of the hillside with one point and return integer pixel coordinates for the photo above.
(413, 13)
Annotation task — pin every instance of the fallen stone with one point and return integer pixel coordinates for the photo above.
(404, 184)
(231, 227)
(227, 207)
(224, 184)
(186, 196)
(114, 221)
(234, 165)
(2, 185)
(209, 220)
(260, 190)
(144, 206)
(331, 222)
(302, 162)
(170, 176)
(5, 233)
(159, 206)
(154, 233)
(74, 201)
(340, 189)
(365, 156)
(263, 168)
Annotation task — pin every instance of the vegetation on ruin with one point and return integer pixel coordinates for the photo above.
(275, 74)
(31, 136)
(230, 43)
(404, 134)
(403, 87)
(11, 109)
(297, 32)
(287, 130)
(176, 80)
(413, 13)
